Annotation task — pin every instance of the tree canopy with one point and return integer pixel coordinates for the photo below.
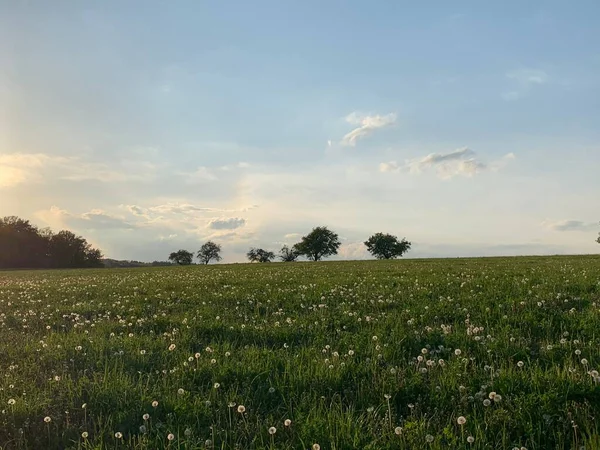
(182, 257)
(287, 254)
(386, 246)
(208, 252)
(23, 245)
(260, 255)
(319, 243)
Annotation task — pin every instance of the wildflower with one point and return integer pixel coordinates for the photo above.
(146, 416)
(491, 395)
(84, 435)
(287, 422)
(172, 347)
(457, 352)
(271, 390)
(486, 402)
(241, 409)
(520, 364)
(47, 419)
(154, 404)
(350, 352)
(272, 430)
(398, 430)
(584, 361)
(429, 438)
(461, 420)
(11, 401)
(216, 385)
(316, 447)
(208, 443)
(470, 439)
(180, 391)
(170, 436)
(142, 429)
(118, 435)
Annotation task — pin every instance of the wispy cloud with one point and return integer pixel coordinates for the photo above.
(230, 223)
(366, 125)
(96, 219)
(570, 225)
(447, 165)
(523, 81)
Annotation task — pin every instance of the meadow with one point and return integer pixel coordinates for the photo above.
(494, 353)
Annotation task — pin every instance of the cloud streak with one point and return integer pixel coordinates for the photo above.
(366, 126)
(570, 225)
(230, 223)
(460, 162)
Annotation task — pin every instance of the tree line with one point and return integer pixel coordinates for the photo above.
(316, 245)
(25, 246)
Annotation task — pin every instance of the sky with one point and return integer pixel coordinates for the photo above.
(470, 128)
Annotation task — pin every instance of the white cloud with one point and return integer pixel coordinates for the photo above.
(570, 225)
(200, 175)
(18, 168)
(528, 76)
(447, 165)
(230, 223)
(366, 125)
(96, 219)
(523, 80)
(292, 236)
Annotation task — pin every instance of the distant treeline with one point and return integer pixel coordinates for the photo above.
(25, 246)
(112, 263)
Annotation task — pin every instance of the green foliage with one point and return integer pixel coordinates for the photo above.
(319, 243)
(287, 254)
(260, 255)
(358, 355)
(208, 252)
(23, 245)
(387, 246)
(182, 257)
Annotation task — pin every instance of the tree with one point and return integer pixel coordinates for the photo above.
(387, 246)
(208, 252)
(319, 243)
(287, 254)
(69, 250)
(23, 245)
(260, 255)
(181, 257)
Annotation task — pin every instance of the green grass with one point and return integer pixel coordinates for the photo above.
(348, 351)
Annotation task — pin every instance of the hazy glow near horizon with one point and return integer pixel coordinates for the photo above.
(469, 128)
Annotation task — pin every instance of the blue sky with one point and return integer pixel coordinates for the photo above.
(471, 128)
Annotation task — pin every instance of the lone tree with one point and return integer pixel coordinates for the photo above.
(287, 254)
(320, 242)
(181, 257)
(208, 252)
(386, 246)
(260, 255)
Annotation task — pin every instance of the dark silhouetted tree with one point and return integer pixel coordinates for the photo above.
(387, 246)
(208, 252)
(319, 243)
(182, 257)
(260, 255)
(287, 254)
(23, 245)
(69, 250)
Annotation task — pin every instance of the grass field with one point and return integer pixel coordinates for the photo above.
(355, 355)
